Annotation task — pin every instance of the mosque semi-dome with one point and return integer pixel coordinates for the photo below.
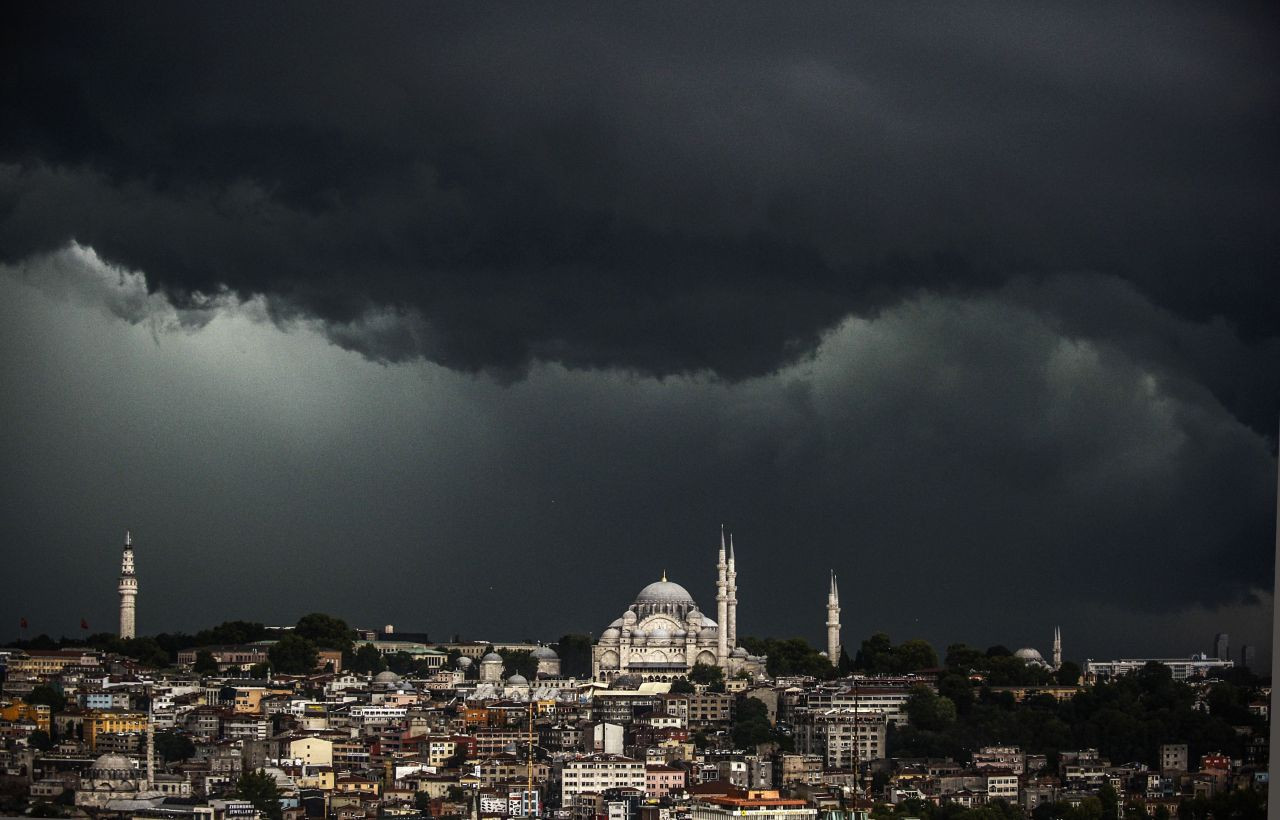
(386, 677)
(492, 657)
(518, 680)
(545, 653)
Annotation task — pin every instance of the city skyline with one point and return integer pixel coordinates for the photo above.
(127, 629)
(477, 321)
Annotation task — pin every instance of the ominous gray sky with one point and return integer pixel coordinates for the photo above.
(475, 319)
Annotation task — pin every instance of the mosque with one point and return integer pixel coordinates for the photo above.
(663, 634)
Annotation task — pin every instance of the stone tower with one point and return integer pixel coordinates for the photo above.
(128, 587)
(722, 605)
(732, 639)
(833, 622)
(1057, 647)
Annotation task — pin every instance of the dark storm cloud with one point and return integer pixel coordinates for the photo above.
(662, 189)
(978, 303)
(970, 470)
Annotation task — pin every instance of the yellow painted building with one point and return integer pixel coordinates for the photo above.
(49, 662)
(356, 785)
(319, 777)
(20, 712)
(101, 722)
(249, 699)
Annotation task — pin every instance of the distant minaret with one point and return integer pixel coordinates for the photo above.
(151, 741)
(1057, 647)
(722, 605)
(128, 590)
(733, 599)
(833, 622)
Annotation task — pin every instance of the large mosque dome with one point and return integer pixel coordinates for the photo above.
(1031, 657)
(112, 763)
(664, 592)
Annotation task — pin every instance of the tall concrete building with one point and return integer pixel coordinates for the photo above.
(1247, 657)
(1222, 646)
(833, 621)
(128, 587)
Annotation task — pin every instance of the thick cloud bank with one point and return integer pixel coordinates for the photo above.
(667, 190)
(955, 459)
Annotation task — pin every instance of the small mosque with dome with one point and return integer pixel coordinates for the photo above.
(663, 634)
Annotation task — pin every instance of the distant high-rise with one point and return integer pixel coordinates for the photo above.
(128, 587)
(1247, 658)
(1222, 647)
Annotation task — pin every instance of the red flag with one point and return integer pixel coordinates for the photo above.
(23, 624)
(84, 624)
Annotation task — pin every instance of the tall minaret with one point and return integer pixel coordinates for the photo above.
(1057, 647)
(733, 599)
(722, 605)
(128, 589)
(833, 622)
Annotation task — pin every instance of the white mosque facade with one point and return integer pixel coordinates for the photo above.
(663, 634)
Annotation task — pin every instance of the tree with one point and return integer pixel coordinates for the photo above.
(962, 658)
(707, 675)
(1068, 673)
(260, 789)
(682, 686)
(146, 651)
(751, 725)
(230, 632)
(790, 656)
(260, 670)
(1109, 801)
(40, 739)
(520, 662)
(205, 663)
(402, 663)
(575, 655)
(876, 655)
(293, 655)
(368, 660)
(326, 632)
(914, 655)
(46, 695)
(929, 711)
(171, 746)
(958, 689)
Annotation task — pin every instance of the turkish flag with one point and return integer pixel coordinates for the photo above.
(84, 624)
(23, 623)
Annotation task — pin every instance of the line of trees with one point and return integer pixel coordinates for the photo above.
(1126, 719)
